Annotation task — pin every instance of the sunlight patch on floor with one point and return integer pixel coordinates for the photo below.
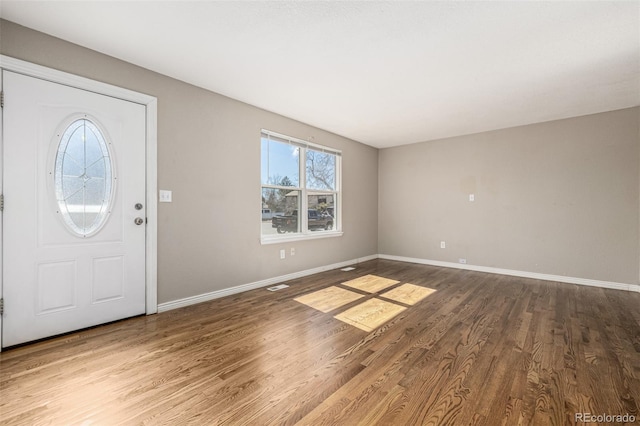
(370, 283)
(328, 299)
(370, 314)
(382, 305)
(409, 294)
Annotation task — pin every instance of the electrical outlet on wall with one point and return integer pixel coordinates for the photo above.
(443, 244)
(462, 260)
(165, 196)
(282, 254)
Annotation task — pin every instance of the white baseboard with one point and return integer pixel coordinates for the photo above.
(175, 304)
(523, 274)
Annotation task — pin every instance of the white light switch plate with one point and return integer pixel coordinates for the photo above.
(165, 196)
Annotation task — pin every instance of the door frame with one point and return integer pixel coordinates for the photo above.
(151, 144)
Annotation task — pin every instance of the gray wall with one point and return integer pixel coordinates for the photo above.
(209, 156)
(557, 198)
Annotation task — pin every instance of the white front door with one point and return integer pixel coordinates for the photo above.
(74, 218)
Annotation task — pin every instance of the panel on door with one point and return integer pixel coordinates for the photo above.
(74, 228)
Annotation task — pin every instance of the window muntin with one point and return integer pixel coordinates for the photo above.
(296, 177)
(83, 178)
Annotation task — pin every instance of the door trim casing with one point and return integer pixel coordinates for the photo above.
(151, 145)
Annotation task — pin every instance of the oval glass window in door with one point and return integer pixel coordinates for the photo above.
(83, 178)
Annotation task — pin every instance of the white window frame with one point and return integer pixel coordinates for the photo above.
(305, 233)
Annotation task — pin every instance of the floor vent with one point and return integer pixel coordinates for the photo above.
(277, 287)
(348, 268)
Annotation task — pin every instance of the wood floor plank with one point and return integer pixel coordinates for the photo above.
(480, 349)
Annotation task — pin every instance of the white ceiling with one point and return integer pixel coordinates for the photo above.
(382, 73)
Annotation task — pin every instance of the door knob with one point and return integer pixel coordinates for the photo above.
(138, 221)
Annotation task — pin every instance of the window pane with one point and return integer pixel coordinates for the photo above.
(280, 163)
(321, 214)
(280, 209)
(321, 170)
(83, 177)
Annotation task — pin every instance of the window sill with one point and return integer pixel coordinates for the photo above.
(276, 239)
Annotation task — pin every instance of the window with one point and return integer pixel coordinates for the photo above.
(297, 177)
(83, 178)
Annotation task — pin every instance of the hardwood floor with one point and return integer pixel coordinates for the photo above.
(480, 349)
